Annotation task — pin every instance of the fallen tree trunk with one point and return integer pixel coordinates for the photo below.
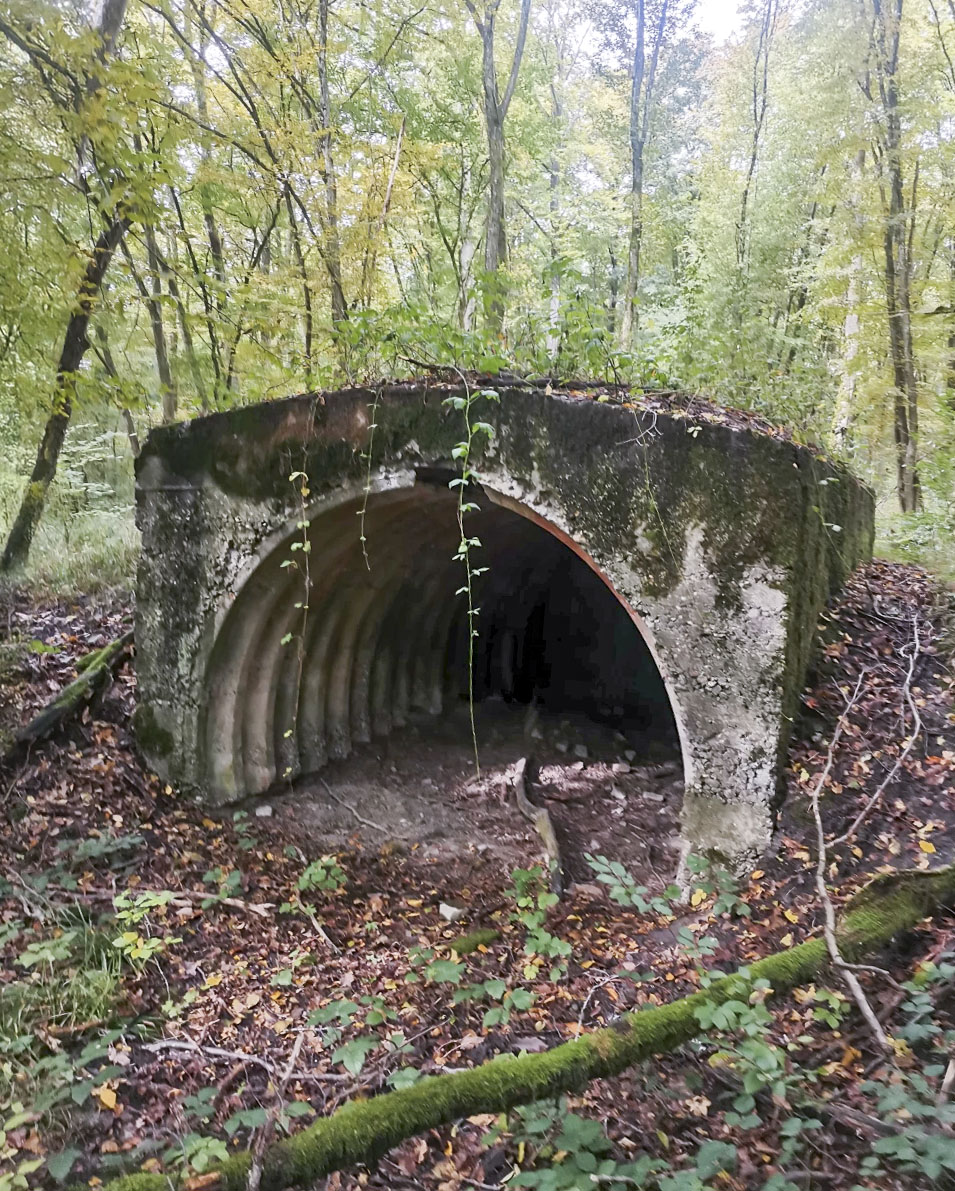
(96, 673)
(363, 1131)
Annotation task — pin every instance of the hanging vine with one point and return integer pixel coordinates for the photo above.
(463, 451)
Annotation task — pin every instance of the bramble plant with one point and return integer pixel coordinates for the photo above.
(626, 892)
(325, 874)
(301, 547)
(534, 899)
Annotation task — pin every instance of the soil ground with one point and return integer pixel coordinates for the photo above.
(420, 785)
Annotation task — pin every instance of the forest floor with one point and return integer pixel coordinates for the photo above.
(303, 931)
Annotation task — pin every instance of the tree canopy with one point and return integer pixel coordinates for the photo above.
(218, 201)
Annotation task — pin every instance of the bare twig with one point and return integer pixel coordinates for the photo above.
(829, 911)
(589, 997)
(900, 759)
(217, 1052)
(351, 810)
(264, 1135)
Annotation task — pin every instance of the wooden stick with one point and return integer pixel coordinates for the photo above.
(543, 824)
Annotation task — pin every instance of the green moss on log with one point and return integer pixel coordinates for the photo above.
(96, 671)
(467, 944)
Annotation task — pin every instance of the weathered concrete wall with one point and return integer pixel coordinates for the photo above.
(722, 542)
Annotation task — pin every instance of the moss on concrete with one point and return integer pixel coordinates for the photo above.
(154, 740)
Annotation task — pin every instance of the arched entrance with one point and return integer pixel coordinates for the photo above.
(331, 647)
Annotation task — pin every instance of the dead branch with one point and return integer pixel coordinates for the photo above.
(543, 824)
(97, 671)
(900, 759)
(185, 1046)
(181, 898)
(829, 911)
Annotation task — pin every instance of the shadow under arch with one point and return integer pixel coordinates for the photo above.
(288, 689)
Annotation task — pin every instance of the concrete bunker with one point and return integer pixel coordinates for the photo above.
(644, 566)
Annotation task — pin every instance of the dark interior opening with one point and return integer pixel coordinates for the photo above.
(553, 635)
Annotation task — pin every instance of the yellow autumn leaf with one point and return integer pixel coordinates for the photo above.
(757, 874)
(698, 895)
(790, 915)
(106, 1096)
(786, 941)
(213, 980)
(926, 846)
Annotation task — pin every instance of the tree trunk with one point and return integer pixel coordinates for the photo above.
(75, 345)
(898, 223)
(332, 254)
(167, 385)
(299, 255)
(495, 234)
(495, 113)
(641, 94)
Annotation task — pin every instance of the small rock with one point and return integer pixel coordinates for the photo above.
(536, 733)
(450, 913)
(263, 811)
(620, 767)
(616, 792)
(589, 889)
(577, 766)
(650, 797)
(630, 754)
(580, 750)
(561, 746)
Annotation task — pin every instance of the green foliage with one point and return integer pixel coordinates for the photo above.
(907, 1096)
(625, 891)
(324, 874)
(533, 900)
(567, 1152)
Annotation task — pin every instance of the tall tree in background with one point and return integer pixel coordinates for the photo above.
(495, 112)
(881, 85)
(647, 44)
(74, 91)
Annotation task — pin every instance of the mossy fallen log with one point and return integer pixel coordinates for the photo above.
(96, 671)
(469, 943)
(363, 1131)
